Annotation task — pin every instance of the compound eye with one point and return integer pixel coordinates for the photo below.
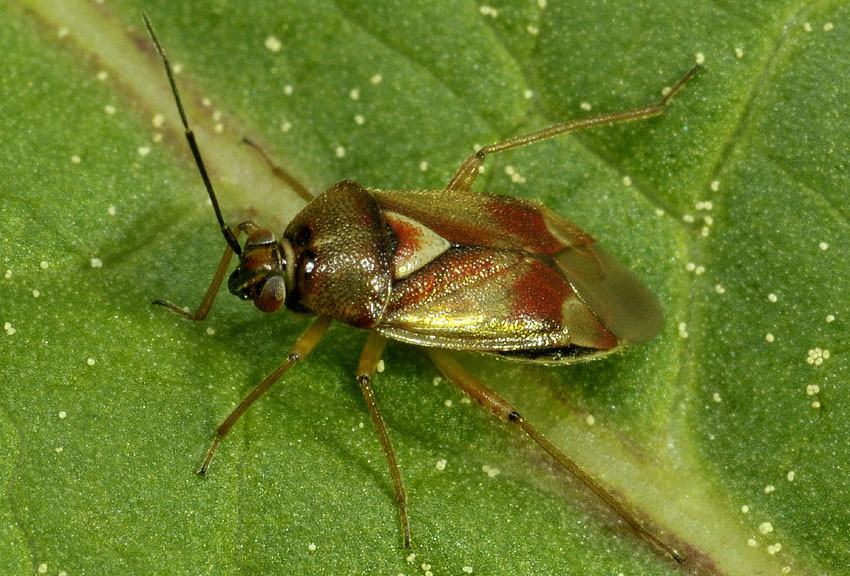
(260, 237)
(272, 295)
(302, 237)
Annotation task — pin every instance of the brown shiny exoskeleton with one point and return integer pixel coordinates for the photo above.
(443, 269)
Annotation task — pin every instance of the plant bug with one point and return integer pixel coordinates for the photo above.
(446, 270)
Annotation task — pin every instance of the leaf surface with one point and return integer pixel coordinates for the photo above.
(728, 433)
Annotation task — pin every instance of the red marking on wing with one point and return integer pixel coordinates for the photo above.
(523, 221)
(485, 220)
(540, 293)
(486, 299)
(456, 272)
(409, 238)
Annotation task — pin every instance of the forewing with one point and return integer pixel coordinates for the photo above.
(490, 300)
(518, 280)
(485, 220)
(611, 292)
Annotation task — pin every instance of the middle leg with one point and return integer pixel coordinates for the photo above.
(369, 359)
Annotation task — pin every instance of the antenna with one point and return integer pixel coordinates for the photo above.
(229, 236)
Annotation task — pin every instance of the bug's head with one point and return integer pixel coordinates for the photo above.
(260, 276)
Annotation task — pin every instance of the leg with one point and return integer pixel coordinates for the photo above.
(303, 346)
(218, 278)
(288, 178)
(465, 176)
(501, 408)
(365, 371)
(209, 297)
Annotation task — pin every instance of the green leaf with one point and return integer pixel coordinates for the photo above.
(728, 433)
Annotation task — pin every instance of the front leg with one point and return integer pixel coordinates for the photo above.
(204, 308)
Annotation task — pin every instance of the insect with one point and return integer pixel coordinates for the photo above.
(446, 270)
